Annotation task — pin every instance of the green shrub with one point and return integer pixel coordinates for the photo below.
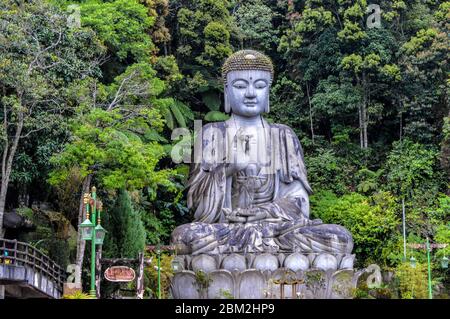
(151, 275)
(78, 295)
(372, 220)
(412, 281)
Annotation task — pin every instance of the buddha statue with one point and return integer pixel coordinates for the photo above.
(248, 184)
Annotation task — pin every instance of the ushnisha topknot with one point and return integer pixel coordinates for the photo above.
(246, 60)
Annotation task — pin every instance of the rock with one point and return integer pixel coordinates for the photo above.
(13, 220)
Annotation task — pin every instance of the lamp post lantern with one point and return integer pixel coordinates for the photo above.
(177, 266)
(92, 230)
(412, 261)
(444, 262)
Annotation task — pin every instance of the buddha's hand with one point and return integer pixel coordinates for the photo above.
(232, 216)
(246, 212)
(253, 214)
(314, 222)
(240, 155)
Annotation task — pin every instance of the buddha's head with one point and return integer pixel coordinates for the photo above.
(247, 75)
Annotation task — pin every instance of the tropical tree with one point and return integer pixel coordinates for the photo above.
(39, 56)
(115, 135)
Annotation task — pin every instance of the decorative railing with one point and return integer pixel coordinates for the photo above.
(22, 254)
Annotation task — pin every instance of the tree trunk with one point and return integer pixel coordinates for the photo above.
(365, 124)
(81, 244)
(361, 143)
(310, 113)
(401, 119)
(404, 229)
(364, 118)
(2, 208)
(7, 162)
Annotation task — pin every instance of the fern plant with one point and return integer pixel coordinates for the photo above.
(78, 295)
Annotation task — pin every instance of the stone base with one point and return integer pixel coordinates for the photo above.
(258, 276)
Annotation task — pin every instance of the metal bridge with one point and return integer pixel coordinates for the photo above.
(26, 272)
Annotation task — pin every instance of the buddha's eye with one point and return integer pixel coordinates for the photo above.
(239, 84)
(260, 84)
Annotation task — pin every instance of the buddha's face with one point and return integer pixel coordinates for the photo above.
(248, 92)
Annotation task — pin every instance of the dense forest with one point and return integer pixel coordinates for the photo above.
(90, 92)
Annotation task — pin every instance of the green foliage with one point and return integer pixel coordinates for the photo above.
(204, 33)
(216, 48)
(53, 234)
(203, 36)
(78, 295)
(412, 281)
(151, 276)
(119, 138)
(380, 292)
(202, 281)
(215, 116)
(211, 100)
(369, 180)
(335, 97)
(409, 165)
(327, 171)
(225, 294)
(40, 56)
(254, 21)
(369, 105)
(126, 232)
(122, 25)
(442, 234)
(371, 220)
(445, 146)
(168, 70)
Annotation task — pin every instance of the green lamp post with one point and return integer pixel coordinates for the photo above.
(92, 230)
(158, 252)
(430, 289)
(429, 247)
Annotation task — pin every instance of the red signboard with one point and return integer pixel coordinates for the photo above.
(120, 274)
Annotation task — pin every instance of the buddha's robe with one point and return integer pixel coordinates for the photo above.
(279, 190)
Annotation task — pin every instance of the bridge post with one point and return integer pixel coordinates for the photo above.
(140, 278)
(2, 288)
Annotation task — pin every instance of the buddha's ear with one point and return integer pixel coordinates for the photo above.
(267, 107)
(226, 102)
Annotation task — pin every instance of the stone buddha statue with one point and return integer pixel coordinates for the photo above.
(248, 185)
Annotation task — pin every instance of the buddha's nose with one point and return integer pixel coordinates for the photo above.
(250, 92)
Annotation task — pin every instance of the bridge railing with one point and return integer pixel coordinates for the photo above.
(23, 254)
